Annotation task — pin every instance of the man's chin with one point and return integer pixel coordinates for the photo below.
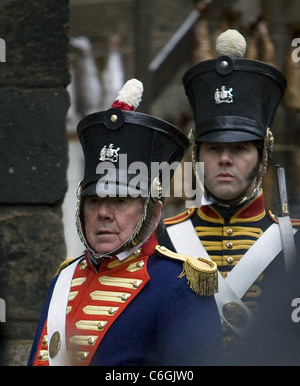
(226, 196)
(106, 245)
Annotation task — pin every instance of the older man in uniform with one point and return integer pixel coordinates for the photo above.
(127, 300)
(234, 100)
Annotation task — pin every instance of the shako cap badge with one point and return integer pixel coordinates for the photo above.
(109, 154)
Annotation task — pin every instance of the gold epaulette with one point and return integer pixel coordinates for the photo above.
(295, 222)
(179, 217)
(272, 215)
(63, 265)
(201, 273)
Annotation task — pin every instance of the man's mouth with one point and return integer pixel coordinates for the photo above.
(225, 176)
(104, 232)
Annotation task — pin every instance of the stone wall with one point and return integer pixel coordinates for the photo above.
(33, 159)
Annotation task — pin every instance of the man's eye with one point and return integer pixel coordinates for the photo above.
(241, 148)
(121, 201)
(92, 201)
(212, 148)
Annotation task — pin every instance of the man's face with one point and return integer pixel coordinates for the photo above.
(230, 169)
(110, 221)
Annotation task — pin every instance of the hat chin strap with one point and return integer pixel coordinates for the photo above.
(232, 203)
(121, 252)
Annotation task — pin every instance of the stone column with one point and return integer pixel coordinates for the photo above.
(33, 159)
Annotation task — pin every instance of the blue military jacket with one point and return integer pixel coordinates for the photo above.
(152, 316)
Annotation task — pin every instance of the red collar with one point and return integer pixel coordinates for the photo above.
(254, 210)
(147, 249)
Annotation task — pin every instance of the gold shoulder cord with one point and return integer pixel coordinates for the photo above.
(201, 273)
(63, 265)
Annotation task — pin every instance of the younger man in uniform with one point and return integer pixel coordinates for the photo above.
(234, 100)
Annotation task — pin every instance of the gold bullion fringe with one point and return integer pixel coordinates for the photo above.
(200, 281)
(201, 272)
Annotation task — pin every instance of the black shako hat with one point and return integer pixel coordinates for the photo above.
(120, 145)
(233, 99)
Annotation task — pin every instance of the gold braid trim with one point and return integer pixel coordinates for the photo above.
(63, 265)
(201, 273)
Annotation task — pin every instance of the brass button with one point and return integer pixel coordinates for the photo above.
(235, 314)
(112, 310)
(230, 260)
(137, 252)
(83, 264)
(45, 340)
(83, 356)
(140, 264)
(229, 244)
(91, 340)
(42, 354)
(137, 283)
(229, 231)
(125, 297)
(101, 325)
(114, 118)
(54, 345)
(224, 64)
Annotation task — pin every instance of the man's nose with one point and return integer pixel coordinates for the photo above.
(225, 157)
(105, 211)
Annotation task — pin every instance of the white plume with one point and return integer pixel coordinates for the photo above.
(131, 93)
(231, 43)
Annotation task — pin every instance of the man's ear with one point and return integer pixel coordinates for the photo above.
(157, 213)
(260, 166)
